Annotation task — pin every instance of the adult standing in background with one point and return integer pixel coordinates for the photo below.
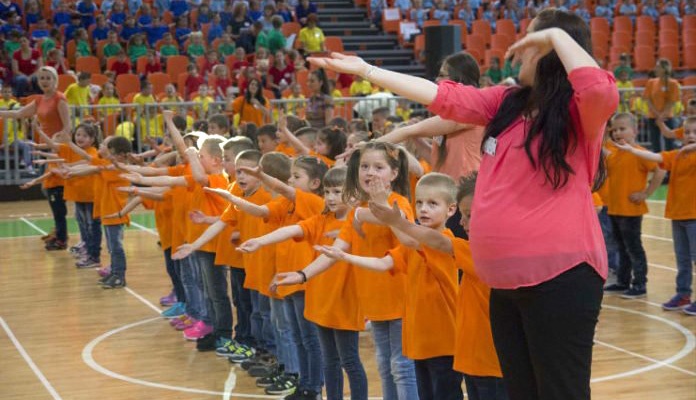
(661, 94)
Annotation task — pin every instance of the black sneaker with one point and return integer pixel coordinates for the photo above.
(114, 282)
(634, 293)
(268, 381)
(56, 244)
(259, 359)
(304, 394)
(104, 279)
(262, 370)
(206, 343)
(283, 386)
(616, 288)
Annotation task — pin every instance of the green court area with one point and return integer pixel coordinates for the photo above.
(20, 227)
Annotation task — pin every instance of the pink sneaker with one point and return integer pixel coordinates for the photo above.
(178, 320)
(168, 300)
(104, 271)
(185, 324)
(197, 331)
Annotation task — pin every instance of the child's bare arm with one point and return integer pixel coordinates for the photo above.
(138, 179)
(243, 205)
(130, 206)
(185, 250)
(177, 139)
(272, 183)
(277, 236)
(376, 264)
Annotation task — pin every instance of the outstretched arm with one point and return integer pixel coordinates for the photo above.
(243, 205)
(138, 179)
(430, 127)
(277, 236)
(130, 206)
(645, 154)
(319, 265)
(426, 236)
(376, 264)
(272, 183)
(185, 250)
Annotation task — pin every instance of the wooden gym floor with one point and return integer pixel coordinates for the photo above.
(64, 337)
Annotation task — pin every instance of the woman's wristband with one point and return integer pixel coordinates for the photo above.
(303, 275)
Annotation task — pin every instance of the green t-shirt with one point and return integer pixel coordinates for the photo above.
(276, 41)
(82, 49)
(47, 45)
(510, 71)
(196, 50)
(496, 75)
(621, 68)
(261, 40)
(11, 46)
(226, 49)
(112, 49)
(169, 50)
(136, 51)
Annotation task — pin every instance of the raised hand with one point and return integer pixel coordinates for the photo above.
(622, 145)
(253, 171)
(250, 246)
(220, 192)
(183, 251)
(384, 213)
(378, 192)
(341, 63)
(539, 43)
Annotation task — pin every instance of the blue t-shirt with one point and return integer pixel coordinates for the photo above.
(32, 18)
(203, 19)
(100, 33)
(254, 15)
(61, 18)
(178, 8)
(117, 18)
(215, 32)
(39, 33)
(155, 33)
(70, 31)
(286, 15)
(83, 8)
(144, 20)
(5, 11)
(180, 34)
(127, 32)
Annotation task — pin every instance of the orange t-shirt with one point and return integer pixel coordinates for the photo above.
(292, 255)
(52, 180)
(179, 197)
(381, 294)
(163, 218)
(286, 149)
(679, 133)
(431, 292)
(260, 265)
(97, 186)
(329, 162)
(628, 174)
(79, 189)
(474, 352)
(681, 191)
(247, 112)
(597, 200)
(660, 95)
(413, 180)
(48, 115)
(112, 200)
(331, 299)
(208, 203)
(225, 252)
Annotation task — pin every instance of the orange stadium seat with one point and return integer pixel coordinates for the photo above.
(127, 84)
(89, 64)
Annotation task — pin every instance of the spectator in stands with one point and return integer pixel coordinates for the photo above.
(101, 28)
(215, 29)
(625, 86)
(513, 12)
(466, 14)
(196, 47)
(360, 87)
(121, 65)
(442, 13)
(320, 103)
(216, 6)
(156, 30)
(202, 100)
(690, 7)
(106, 6)
(134, 6)
(311, 37)
(267, 17)
(40, 31)
(629, 9)
(136, 47)
(117, 17)
(283, 10)
(204, 15)
(108, 97)
(239, 66)
(252, 106)
(281, 74)
(193, 81)
(377, 8)
(582, 11)
(5, 69)
(112, 46)
(494, 72)
(56, 60)
(222, 82)
(418, 13)
(145, 17)
(129, 29)
(297, 60)
(604, 10)
(255, 12)
(153, 63)
(26, 63)
(650, 9)
(61, 16)
(661, 94)
(248, 38)
(146, 110)
(534, 7)
(32, 12)
(169, 47)
(211, 61)
(75, 24)
(15, 133)
(295, 107)
(303, 10)
(261, 35)
(624, 66)
(12, 43)
(82, 43)
(86, 9)
(490, 14)
(560, 5)
(226, 46)
(182, 31)
(276, 39)
(7, 8)
(671, 8)
(240, 20)
(77, 93)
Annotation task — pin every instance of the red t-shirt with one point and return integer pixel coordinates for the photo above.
(152, 68)
(192, 84)
(208, 66)
(221, 86)
(280, 74)
(119, 67)
(59, 67)
(27, 66)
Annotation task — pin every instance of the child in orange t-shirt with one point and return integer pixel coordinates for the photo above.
(331, 298)
(298, 202)
(381, 295)
(627, 194)
(429, 310)
(680, 208)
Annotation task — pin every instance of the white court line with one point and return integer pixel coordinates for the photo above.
(664, 239)
(29, 361)
(660, 266)
(656, 217)
(230, 384)
(656, 201)
(33, 225)
(686, 350)
(143, 300)
(144, 228)
(646, 358)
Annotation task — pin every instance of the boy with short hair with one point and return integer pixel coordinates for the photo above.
(219, 124)
(77, 93)
(267, 138)
(627, 194)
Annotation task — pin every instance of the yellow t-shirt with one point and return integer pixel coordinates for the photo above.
(14, 130)
(77, 95)
(126, 129)
(625, 95)
(201, 108)
(109, 101)
(362, 88)
(294, 108)
(312, 39)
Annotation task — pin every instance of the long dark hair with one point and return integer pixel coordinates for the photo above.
(462, 68)
(320, 74)
(546, 106)
(259, 92)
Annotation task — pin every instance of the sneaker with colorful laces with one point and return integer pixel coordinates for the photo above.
(677, 302)
(175, 321)
(284, 385)
(88, 262)
(268, 381)
(242, 354)
(185, 324)
(690, 310)
(197, 331)
(174, 311)
(168, 300)
(227, 348)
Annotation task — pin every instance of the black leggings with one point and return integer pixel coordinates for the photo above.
(544, 335)
(60, 211)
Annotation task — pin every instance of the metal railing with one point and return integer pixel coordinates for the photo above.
(145, 121)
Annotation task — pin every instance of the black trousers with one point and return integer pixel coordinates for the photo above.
(437, 380)
(544, 335)
(59, 211)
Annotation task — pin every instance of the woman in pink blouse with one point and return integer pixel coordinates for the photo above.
(535, 237)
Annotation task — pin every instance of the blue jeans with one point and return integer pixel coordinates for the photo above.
(90, 229)
(59, 211)
(485, 388)
(215, 292)
(286, 350)
(684, 235)
(114, 242)
(193, 287)
(397, 372)
(437, 380)
(173, 273)
(24, 85)
(304, 334)
(609, 241)
(340, 350)
(627, 232)
(241, 298)
(656, 137)
(261, 327)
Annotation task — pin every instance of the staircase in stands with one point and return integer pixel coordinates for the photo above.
(343, 19)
